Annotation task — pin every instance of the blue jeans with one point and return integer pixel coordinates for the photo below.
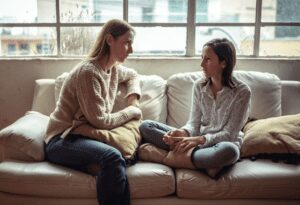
(216, 156)
(78, 152)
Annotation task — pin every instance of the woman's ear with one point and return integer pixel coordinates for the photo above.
(109, 39)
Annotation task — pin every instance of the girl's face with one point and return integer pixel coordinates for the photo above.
(212, 67)
(121, 47)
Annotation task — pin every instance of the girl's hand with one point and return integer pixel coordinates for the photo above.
(186, 143)
(179, 134)
(133, 100)
(172, 141)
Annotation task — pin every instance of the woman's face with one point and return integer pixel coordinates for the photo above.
(212, 67)
(121, 47)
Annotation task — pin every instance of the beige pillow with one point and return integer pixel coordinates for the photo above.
(276, 135)
(24, 139)
(125, 138)
(149, 152)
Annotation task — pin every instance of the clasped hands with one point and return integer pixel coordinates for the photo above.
(179, 140)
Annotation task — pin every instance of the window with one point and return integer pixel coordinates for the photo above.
(11, 49)
(63, 28)
(24, 49)
(43, 49)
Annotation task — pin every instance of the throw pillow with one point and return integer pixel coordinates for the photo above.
(276, 135)
(125, 138)
(24, 139)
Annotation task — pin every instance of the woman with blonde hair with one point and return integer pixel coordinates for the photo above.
(87, 97)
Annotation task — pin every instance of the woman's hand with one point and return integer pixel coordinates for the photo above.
(133, 100)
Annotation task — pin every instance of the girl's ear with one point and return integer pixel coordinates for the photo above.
(223, 64)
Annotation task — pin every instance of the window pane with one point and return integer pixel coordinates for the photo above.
(234, 11)
(29, 11)
(241, 37)
(78, 40)
(79, 11)
(280, 41)
(159, 40)
(281, 11)
(28, 41)
(157, 11)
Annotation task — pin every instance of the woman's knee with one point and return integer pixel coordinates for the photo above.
(113, 157)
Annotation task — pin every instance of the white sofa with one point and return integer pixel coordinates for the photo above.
(25, 178)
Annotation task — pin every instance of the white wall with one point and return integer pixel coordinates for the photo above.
(17, 76)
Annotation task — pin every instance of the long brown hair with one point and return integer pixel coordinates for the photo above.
(114, 27)
(225, 51)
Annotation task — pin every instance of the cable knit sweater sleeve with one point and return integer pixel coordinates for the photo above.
(96, 94)
(131, 78)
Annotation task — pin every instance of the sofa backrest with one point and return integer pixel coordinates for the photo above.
(173, 106)
(265, 98)
(290, 96)
(43, 96)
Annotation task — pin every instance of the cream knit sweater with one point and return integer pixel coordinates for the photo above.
(87, 97)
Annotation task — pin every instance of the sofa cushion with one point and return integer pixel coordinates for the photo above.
(24, 139)
(153, 101)
(261, 179)
(276, 135)
(265, 97)
(45, 179)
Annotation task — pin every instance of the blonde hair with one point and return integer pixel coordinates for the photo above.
(114, 27)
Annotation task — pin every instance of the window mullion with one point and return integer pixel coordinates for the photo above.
(125, 10)
(257, 27)
(191, 29)
(57, 9)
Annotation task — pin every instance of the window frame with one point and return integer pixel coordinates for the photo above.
(190, 25)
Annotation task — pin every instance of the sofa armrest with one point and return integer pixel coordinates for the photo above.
(24, 139)
(43, 98)
(290, 97)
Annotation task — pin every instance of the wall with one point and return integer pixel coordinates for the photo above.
(17, 76)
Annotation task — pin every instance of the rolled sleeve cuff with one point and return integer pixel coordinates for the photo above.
(134, 88)
(189, 129)
(207, 141)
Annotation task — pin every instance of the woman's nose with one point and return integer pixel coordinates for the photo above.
(130, 50)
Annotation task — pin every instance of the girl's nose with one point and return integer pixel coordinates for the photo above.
(201, 63)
